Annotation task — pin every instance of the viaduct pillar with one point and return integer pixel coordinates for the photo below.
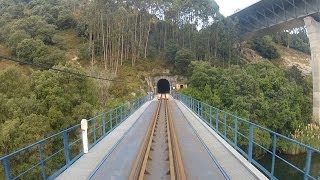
(313, 30)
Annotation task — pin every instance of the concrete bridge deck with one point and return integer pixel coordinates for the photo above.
(204, 153)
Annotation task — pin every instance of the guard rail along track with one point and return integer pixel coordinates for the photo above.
(159, 156)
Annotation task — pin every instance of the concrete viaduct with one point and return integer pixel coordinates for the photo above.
(269, 16)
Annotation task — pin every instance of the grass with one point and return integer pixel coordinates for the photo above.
(70, 41)
(4, 64)
(6, 52)
(309, 135)
(291, 57)
(134, 78)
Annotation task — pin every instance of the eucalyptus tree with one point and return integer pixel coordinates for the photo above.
(120, 31)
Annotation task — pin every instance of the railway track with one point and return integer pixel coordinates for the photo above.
(159, 156)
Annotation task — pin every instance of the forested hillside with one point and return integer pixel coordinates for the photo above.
(124, 42)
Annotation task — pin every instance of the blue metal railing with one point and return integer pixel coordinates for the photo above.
(243, 136)
(47, 158)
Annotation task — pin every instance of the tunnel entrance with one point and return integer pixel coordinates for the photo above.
(163, 86)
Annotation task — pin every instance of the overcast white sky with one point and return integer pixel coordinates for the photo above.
(228, 7)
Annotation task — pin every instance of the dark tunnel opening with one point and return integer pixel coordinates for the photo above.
(163, 86)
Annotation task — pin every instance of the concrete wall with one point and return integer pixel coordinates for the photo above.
(173, 80)
(178, 86)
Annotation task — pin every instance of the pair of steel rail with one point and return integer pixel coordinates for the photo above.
(175, 169)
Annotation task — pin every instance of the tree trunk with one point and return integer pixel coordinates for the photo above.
(146, 46)
(91, 47)
(118, 54)
(121, 55)
(134, 49)
(165, 36)
(103, 43)
(140, 37)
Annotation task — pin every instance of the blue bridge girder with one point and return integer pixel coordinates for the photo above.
(269, 16)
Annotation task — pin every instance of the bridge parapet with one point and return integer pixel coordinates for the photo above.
(47, 158)
(243, 136)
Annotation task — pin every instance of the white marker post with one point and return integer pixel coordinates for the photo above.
(84, 128)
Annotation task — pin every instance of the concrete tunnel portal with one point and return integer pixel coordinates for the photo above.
(163, 86)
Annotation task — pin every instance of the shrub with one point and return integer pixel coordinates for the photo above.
(170, 52)
(266, 47)
(182, 61)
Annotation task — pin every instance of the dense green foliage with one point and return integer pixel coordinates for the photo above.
(35, 106)
(296, 39)
(29, 28)
(170, 52)
(119, 34)
(266, 47)
(263, 93)
(114, 34)
(278, 99)
(135, 30)
(182, 61)
(119, 31)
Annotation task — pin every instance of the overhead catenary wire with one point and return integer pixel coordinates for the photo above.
(46, 66)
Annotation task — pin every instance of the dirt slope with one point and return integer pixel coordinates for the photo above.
(289, 58)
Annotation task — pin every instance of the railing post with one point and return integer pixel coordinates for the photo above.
(117, 115)
(124, 112)
(217, 120)
(66, 147)
(7, 169)
(127, 110)
(203, 111)
(274, 148)
(43, 170)
(131, 107)
(121, 115)
(308, 165)
(104, 123)
(192, 105)
(210, 116)
(94, 130)
(235, 132)
(137, 105)
(225, 124)
(110, 119)
(198, 108)
(84, 129)
(250, 148)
